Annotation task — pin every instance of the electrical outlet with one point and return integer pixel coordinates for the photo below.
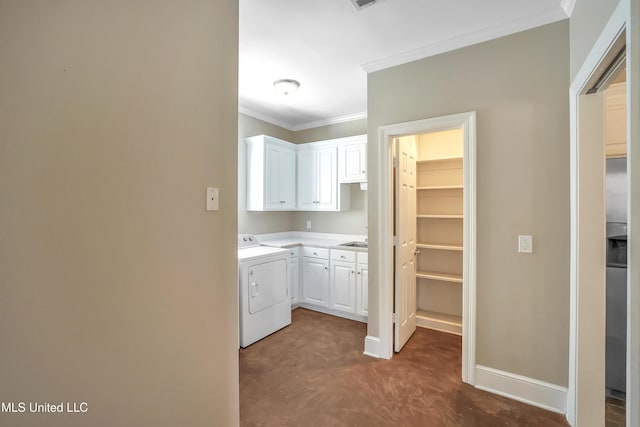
(308, 224)
(212, 198)
(525, 244)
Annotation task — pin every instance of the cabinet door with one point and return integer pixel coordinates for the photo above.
(327, 179)
(307, 180)
(353, 162)
(273, 180)
(343, 286)
(363, 290)
(288, 179)
(315, 281)
(279, 186)
(294, 279)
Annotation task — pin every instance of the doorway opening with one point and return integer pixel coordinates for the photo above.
(594, 242)
(427, 186)
(616, 283)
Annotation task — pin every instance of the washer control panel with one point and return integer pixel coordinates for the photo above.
(247, 241)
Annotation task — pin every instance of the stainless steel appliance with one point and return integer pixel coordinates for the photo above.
(616, 327)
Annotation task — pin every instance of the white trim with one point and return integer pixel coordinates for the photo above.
(517, 387)
(578, 86)
(439, 325)
(303, 126)
(264, 117)
(567, 6)
(372, 347)
(332, 312)
(330, 121)
(384, 241)
(491, 33)
(633, 204)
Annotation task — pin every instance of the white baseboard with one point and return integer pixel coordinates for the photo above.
(372, 347)
(336, 313)
(528, 390)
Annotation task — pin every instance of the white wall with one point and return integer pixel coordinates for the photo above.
(116, 287)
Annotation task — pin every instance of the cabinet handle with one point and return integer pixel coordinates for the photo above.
(352, 271)
(342, 256)
(326, 268)
(315, 253)
(358, 272)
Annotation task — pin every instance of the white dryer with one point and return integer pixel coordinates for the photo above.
(264, 303)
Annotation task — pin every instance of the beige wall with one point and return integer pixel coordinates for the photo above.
(338, 130)
(251, 221)
(353, 221)
(591, 266)
(587, 22)
(518, 87)
(116, 287)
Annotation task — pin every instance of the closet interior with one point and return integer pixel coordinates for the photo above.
(439, 225)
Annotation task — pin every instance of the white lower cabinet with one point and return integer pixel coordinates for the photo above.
(343, 281)
(362, 284)
(330, 281)
(315, 276)
(294, 275)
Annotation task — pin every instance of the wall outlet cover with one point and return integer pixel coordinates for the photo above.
(212, 199)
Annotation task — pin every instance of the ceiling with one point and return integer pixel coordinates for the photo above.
(329, 47)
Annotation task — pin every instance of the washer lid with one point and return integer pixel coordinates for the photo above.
(258, 251)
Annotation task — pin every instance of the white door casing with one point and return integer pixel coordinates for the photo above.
(405, 274)
(626, 16)
(381, 217)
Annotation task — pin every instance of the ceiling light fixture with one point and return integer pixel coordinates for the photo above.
(360, 4)
(286, 86)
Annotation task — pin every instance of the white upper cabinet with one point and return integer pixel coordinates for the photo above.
(318, 179)
(282, 176)
(271, 174)
(352, 159)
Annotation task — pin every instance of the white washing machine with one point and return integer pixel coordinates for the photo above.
(264, 303)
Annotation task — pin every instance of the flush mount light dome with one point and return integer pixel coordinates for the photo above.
(286, 86)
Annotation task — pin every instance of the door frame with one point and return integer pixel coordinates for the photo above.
(384, 239)
(624, 18)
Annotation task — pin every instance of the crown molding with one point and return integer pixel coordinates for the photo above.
(486, 34)
(567, 6)
(304, 126)
(331, 121)
(264, 118)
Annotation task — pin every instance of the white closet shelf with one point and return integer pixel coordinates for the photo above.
(439, 321)
(436, 275)
(442, 159)
(440, 216)
(441, 187)
(440, 246)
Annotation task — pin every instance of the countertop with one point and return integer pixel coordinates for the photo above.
(289, 239)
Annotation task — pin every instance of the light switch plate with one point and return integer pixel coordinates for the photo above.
(212, 198)
(308, 224)
(525, 244)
